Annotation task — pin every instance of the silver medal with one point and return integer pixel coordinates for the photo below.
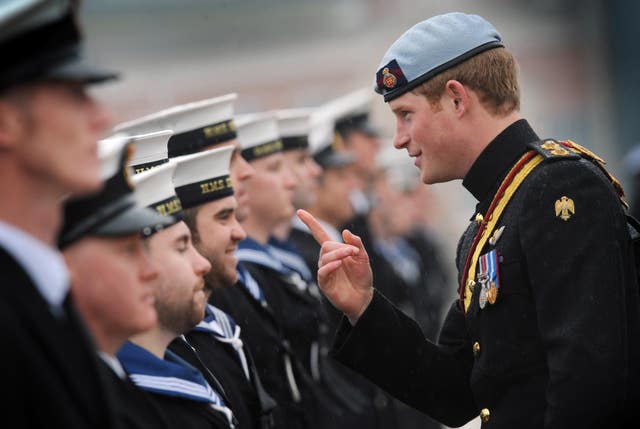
(482, 299)
(483, 279)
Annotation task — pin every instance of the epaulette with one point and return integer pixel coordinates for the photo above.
(585, 153)
(566, 149)
(550, 148)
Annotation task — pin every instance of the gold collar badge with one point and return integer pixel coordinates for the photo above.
(565, 208)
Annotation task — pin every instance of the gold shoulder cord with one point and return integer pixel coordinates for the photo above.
(600, 163)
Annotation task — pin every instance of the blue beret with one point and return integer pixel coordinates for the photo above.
(431, 47)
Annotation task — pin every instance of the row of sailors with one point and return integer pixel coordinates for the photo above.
(242, 334)
(181, 266)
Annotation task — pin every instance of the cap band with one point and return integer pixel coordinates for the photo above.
(195, 194)
(171, 206)
(262, 150)
(139, 168)
(295, 142)
(193, 141)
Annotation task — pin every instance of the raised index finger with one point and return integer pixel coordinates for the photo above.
(314, 226)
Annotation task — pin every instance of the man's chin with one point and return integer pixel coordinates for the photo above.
(220, 283)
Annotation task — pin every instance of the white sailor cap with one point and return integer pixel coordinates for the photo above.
(326, 144)
(258, 135)
(204, 176)
(196, 126)
(431, 47)
(154, 189)
(351, 112)
(150, 150)
(113, 211)
(294, 126)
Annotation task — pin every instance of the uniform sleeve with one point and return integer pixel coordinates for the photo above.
(573, 236)
(389, 349)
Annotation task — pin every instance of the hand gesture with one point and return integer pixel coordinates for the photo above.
(344, 272)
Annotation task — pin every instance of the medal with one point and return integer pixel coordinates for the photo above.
(488, 278)
(492, 294)
(482, 298)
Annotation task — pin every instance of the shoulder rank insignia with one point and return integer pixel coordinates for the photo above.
(552, 149)
(565, 208)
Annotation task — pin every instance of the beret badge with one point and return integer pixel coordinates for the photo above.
(390, 76)
(388, 79)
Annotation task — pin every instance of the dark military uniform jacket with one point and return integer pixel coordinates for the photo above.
(215, 346)
(133, 407)
(49, 367)
(273, 357)
(177, 388)
(557, 347)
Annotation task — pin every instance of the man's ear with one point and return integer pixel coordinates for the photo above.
(11, 123)
(458, 96)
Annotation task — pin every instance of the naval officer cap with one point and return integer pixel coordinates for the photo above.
(258, 135)
(203, 177)
(150, 150)
(113, 211)
(154, 189)
(40, 41)
(196, 126)
(431, 47)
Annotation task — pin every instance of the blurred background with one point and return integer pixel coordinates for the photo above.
(579, 64)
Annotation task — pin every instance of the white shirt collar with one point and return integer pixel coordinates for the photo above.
(114, 364)
(42, 263)
(330, 229)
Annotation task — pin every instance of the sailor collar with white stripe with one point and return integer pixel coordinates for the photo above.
(225, 330)
(171, 376)
(218, 322)
(287, 254)
(251, 285)
(250, 251)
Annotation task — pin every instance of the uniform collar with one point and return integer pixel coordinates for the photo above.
(225, 330)
(251, 251)
(217, 322)
(113, 363)
(246, 280)
(171, 376)
(493, 164)
(285, 252)
(44, 264)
